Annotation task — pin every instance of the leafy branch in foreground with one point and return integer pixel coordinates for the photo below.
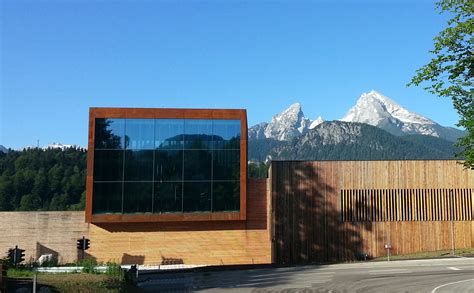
(450, 72)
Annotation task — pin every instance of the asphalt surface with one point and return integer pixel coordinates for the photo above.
(435, 276)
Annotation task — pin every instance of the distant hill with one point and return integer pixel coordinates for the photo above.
(43, 179)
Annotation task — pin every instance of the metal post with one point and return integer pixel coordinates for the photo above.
(452, 222)
(34, 283)
(83, 246)
(14, 254)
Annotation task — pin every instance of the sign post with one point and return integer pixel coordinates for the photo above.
(388, 247)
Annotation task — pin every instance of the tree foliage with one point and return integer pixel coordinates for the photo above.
(450, 72)
(35, 179)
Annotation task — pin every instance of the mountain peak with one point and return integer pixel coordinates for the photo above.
(316, 122)
(376, 109)
(375, 95)
(288, 124)
(294, 111)
(373, 108)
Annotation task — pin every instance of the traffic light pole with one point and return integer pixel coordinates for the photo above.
(83, 246)
(14, 254)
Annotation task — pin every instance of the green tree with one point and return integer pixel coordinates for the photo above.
(450, 72)
(30, 202)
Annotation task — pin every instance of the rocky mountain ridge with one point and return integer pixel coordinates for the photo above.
(371, 108)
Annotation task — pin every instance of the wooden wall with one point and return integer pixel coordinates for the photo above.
(42, 233)
(225, 242)
(309, 225)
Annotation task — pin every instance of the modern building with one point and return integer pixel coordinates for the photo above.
(170, 186)
(148, 165)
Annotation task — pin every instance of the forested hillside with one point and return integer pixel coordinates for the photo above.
(37, 179)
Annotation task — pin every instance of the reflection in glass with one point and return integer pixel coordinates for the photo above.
(226, 165)
(168, 197)
(226, 196)
(108, 165)
(137, 197)
(197, 196)
(107, 198)
(169, 133)
(226, 134)
(198, 134)
(138, 165)
(140, 134)
(109, 133)
(197, 165)
(168, 165)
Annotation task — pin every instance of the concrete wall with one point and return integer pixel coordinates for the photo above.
(218, 242)
(224, 242)
(42, 233)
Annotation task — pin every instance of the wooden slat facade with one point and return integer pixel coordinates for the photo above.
(333, 210)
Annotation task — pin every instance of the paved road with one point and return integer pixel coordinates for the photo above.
(435, 276)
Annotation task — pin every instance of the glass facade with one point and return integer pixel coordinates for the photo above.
(166, 166)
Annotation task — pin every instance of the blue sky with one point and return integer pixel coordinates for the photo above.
(59, 58)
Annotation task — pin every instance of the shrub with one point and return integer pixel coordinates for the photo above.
(88, 265)
(114, 270)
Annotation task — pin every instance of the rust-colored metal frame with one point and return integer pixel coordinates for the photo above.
(151, 113)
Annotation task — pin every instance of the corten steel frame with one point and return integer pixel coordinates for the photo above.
(157, 113)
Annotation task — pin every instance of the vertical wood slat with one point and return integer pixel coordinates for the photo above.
(370, 195)
(375, 205)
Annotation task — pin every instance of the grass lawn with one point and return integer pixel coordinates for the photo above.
(71, 282)
(430, 254)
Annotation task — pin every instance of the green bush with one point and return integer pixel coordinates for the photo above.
(114, 270)
(88, 265)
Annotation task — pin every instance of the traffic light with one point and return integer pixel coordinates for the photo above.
(11, 255)
(86, 244)
(16, 255)
(83, 243)
(19, 255)
(80, 244)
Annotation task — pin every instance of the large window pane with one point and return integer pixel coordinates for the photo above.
(168, 165)
(226, 196)
(226, 134)
(107, 198)
(138, 165)
(168, 197)
(140, 134)
(137, 197)
(169, 133)
(197, 165)
(109, 133)
(197, 196)
(198, 134)
(108, 165)
(226, 165)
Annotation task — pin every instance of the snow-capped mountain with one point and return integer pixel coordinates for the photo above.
(378, 110)
(285, 126)
(337, 140)
(316, 122)
(3, 149)
(57, 145)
